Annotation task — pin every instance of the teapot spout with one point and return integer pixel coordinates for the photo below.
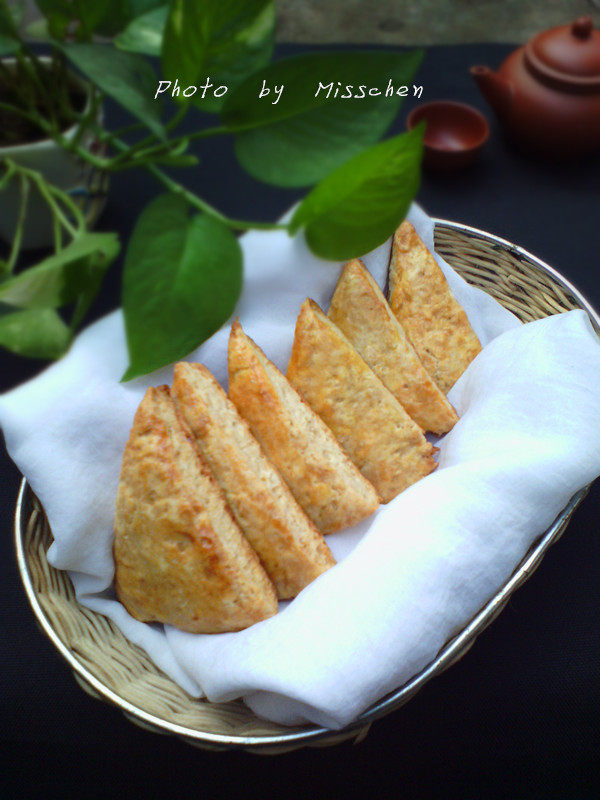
(496, 90)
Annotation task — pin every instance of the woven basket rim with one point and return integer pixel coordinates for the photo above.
(445, 657)
(523, 253)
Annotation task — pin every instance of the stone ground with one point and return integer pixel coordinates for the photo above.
(416, 21)
(424, 21)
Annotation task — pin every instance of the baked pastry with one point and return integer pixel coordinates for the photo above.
(291, 549)
(321, 477)
(434, 321)
(374, 430)
(361, 312)
(180, 557)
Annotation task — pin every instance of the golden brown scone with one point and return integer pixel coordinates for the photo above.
(321, 477)
(435, 323)
(180, 557)
(374, 430)
(361, 312)
(291, 549)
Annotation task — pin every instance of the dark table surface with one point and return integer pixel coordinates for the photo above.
(518, 717)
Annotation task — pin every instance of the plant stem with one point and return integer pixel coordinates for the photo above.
(20, 111)
(28, 66)
(104, 135)
(202, 205)
(88, 117)
(56, 233)
(67, 200)
(44, 189)
(59, 88)
(162, 177)
(178, 188)
(152, 138)
(16, 243)
(6, 74)
(177, 117)
(53, 196)
(20, 78)
(150, 147)
(162, 148)
(204, 133)
(51, 94)
(10, 171)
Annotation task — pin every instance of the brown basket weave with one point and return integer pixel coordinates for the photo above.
(108, 666)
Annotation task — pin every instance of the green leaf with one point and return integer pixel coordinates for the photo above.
(9, 35)
(97, 266)
(7, 20)
(36, 334)
(301, 138)
(359, 205)
(61, 278)
(222, 39)
(127, 77)
(184, 160)
(105, 17)
(58, 14)
(144, 34)
(139, 7)
(7, 46)
(181, 281)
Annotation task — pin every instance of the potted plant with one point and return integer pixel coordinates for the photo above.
(313, 120)
(25, 143)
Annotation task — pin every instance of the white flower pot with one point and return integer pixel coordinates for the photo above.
(87, 185)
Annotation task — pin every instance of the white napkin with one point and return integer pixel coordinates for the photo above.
(412, 575)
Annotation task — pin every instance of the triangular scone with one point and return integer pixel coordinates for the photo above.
(374, 430)
(361, 312)
(434, 321)
(180, 557)
(321, 477)
(291, 549)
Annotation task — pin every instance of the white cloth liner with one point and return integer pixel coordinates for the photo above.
(412, 575)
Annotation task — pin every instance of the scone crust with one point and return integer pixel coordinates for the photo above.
(374, 430)
(434, 321)
(180, 557)
(362, 313)
(324, 481)
(291, 549)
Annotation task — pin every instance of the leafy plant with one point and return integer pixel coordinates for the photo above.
(29, 323)
(183, 267)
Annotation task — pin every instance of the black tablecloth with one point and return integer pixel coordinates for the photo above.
(516, 718)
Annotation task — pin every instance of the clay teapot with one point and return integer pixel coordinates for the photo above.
(547, 93)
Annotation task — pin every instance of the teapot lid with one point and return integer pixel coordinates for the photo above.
(569, 54)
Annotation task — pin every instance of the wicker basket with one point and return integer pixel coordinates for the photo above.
(110, 667)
